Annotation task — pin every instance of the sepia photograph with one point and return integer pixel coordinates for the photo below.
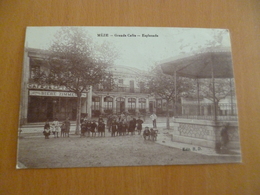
(127, 96)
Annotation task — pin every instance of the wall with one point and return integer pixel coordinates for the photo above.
(204, 133)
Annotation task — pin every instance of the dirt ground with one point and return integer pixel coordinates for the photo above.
(37, 152)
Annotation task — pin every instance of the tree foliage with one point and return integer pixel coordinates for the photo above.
(77, 63)
(73, 61)
(222, 89)
(163, 85)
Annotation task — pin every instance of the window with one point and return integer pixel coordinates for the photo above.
(159, 103)
(164, 104)
(35, 67)
(95, 103)
(131, 103)
(141, 87)
(35, 70)
(132, 87)
(108, 103)
(142, 103)
(121, 89)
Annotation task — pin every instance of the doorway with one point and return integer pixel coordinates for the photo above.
(122, 107)
(49, 110)
(151, 107)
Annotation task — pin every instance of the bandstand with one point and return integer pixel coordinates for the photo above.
(204, 128)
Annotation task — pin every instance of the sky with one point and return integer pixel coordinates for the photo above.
(136, 50)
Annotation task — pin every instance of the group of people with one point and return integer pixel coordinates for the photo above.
(56, 128)
(90, 126)
(124, 125)
(117, 125)
(150, 134)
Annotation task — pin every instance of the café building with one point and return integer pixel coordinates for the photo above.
(39, 102)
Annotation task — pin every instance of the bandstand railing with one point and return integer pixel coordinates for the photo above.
(225, 112)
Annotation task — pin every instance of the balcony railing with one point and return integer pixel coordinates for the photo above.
(123, 89)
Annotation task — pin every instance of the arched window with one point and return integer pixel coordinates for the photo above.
(131, 104)
(120, 105)
(95, 103)
(108, 103)
(142, 103)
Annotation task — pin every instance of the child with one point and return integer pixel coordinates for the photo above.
(146, 133)
(153, 134)
(101, 128)
(131, 128)
(119, 128)
(46, 131)
(123, 128)
(88, 128)
(114, 128)
(93, 128)
(55, 128)
(83, 128)
(139, 122)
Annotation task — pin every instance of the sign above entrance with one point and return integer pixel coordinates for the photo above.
(54, 94)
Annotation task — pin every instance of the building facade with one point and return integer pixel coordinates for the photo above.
(41, 102)
(128, 95)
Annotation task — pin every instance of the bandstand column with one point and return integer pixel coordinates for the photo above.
(231, 94)
(213, 92)
(198, 96)
(114, 105)
(175, 91)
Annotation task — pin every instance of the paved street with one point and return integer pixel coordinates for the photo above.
(37, 152)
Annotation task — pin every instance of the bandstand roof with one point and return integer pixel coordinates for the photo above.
(201, 65)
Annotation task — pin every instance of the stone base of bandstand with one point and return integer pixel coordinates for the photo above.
(204, 133)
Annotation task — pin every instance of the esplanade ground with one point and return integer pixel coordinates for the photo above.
(130, 150)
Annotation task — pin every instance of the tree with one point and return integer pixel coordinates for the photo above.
(223, 88)
(162, 85)
(107, 82)
(76, 63)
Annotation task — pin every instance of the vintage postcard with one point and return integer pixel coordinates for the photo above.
(127, 96)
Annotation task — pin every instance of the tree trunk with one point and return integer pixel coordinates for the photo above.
(78, 113)
(168, 116)
(174, 108)
(217, 107)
